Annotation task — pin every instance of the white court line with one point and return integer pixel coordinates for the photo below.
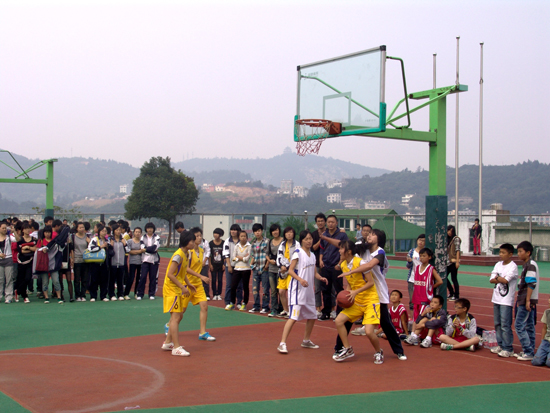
(158, 381)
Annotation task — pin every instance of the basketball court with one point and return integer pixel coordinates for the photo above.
(103, 357)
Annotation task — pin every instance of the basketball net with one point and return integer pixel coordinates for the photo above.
(311, 134)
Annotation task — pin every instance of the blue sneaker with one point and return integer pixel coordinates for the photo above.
(166, 329)
(206, 337)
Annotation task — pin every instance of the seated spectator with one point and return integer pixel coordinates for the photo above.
(543, 353)
(429, 325)
(399, 316)
(460, 332)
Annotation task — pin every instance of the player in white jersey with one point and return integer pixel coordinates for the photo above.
(301, 291)
(373, 254)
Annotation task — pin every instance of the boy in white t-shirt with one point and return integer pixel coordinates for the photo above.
(413, 261)
(505, 277)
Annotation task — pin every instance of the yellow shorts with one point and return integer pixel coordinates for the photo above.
(369, 312)
(196, 298)
(173, 304)
(283, 284)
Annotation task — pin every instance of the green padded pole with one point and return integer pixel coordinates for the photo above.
(49, 188)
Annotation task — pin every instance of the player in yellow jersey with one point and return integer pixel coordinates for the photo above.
(196, 259)
(176, 290)
(366, 304)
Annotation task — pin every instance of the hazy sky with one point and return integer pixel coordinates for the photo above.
(127, 80)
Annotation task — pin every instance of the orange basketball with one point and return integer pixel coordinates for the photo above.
(343, 299)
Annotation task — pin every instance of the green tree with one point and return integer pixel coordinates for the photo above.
(161, 192)
(295, 222)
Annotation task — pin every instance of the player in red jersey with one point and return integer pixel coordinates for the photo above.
(426, 280)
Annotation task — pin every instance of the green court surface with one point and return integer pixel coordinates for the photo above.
(69, 323)
(517, 397)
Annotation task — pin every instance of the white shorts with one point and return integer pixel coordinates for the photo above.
(303, 312)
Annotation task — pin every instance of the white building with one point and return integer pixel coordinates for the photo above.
(406, 199)
(300, 191)
(334, 198)
(286, 186)
(334, 184)
(124, 189)
(375, 205)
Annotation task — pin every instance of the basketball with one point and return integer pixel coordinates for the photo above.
(343, 299)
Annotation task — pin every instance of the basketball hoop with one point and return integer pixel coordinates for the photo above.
(311, 134)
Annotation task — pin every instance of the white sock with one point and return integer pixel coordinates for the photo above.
(414, 336)
(282, 342)
(428, 338)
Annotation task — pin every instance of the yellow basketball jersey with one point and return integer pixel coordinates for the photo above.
(195, 263)
(357, 280)
(180, 259)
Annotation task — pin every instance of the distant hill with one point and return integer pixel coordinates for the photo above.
(75, 178)
(521, 188)
(305, 171)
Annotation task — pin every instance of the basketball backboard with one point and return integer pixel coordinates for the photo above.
(347, 89)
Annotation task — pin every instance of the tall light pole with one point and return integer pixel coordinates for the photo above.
(456, 136)
(480, 132)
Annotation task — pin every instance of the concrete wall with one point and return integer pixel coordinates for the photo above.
(515, 234)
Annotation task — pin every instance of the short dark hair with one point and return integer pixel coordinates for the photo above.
(333, 216)
(196, 230)
(235, 227)
(526, 246)
(273, 228)
(440, 299)
(476, 220)
(57, 223)
(179, 225)
(47, 219)
(304, 233)
(288, 229)
(87, 225)
(421, 236)
(139, 229)
(398, 292)
(111, 223)
(47, 228)
(463, 302)
(320, 215)
(35, 225)
(367, 225)
(426, 251)
(257, 227)
(507, 247)
(185, 238)
(26, 225)
(150, 225)
(219, 231)
(114, 227)
(381, 237)
(242, 231)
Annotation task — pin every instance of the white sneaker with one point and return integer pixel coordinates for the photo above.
(180, 352)
(138, 298)
(152, 297)
(426, 343)
(27, 301)
(92, 300)
(83, 299)
(167, 346)
(127, 297)
(238, 306)
(282, 348)
(359, 331)
(207, 298)
(78, 300)
(113, 298)
(333, 315)
(106, 299)
(264, 311)
(121, 298)
(496, 350)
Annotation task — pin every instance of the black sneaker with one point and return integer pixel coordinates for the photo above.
(324, 317)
